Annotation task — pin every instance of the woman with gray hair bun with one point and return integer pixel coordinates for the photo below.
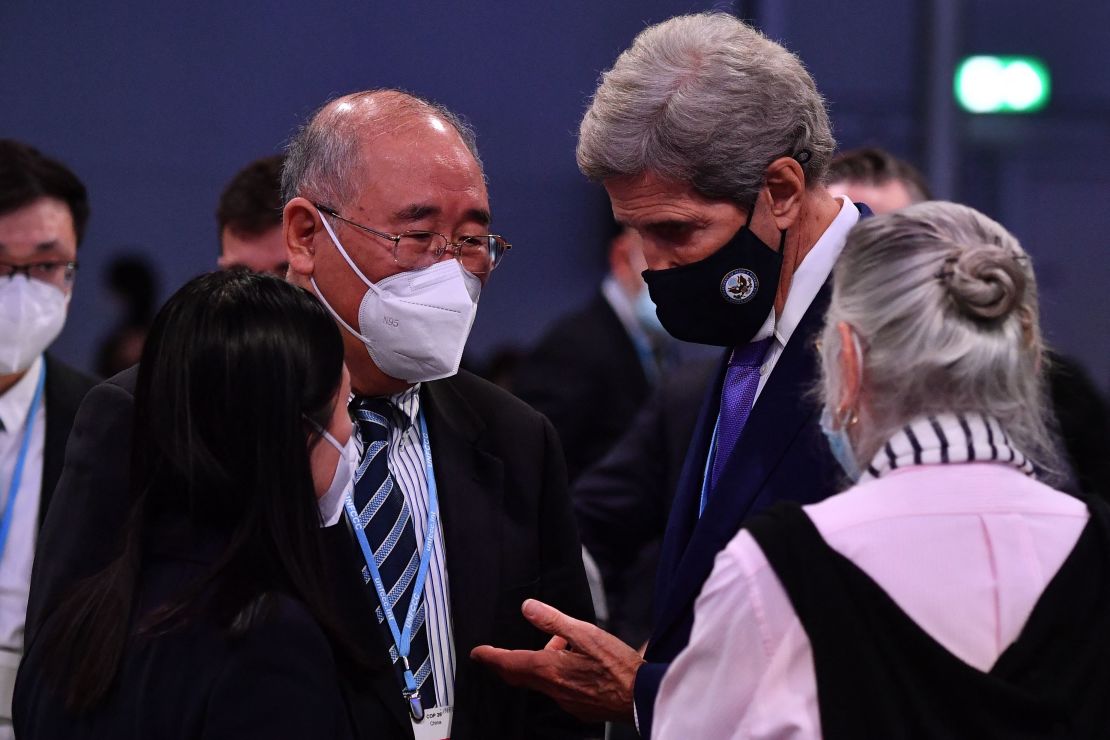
(949, 592)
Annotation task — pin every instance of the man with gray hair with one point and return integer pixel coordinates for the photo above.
(458, 509)
(713, 144)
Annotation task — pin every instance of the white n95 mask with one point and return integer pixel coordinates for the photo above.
(344, 470)
(414, 324)
(32, 314)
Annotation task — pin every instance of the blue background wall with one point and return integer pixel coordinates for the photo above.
(156, 105)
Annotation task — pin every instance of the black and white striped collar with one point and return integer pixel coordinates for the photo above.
(945, 439)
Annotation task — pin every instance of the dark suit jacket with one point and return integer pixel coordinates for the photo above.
(586, 376)
(64, 391)
(623, 501)
(508, 532)
(781, 456)
(197, 682)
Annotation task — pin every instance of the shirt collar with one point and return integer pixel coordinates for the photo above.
(812, 273)
(16, 403)
(407, 403)
(622, 306)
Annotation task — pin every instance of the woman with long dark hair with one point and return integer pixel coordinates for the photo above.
(214, 621)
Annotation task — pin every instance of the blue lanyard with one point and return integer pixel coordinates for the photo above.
(402, 638)
(708, 468)
(20, 462)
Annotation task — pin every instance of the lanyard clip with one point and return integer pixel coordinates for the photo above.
(411, 693)
(416, 707)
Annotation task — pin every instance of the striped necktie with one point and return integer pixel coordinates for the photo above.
(384, 515)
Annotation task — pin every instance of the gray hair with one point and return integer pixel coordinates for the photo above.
(944, 303)
(705, 99)
(322, 159)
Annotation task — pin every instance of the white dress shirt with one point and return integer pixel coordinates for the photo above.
(19, 553)
(808, 279)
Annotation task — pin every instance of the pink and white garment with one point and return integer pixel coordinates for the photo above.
(964, 548)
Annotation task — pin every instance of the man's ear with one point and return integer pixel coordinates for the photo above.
(851, 371)
(300, 223)
(786, 184)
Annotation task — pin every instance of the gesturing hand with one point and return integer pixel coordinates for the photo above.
(587, 671)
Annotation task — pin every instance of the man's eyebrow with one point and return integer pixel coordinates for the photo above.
(47, 246)
(420, 211)
(480, 215)
(666, 224)
(416, 212)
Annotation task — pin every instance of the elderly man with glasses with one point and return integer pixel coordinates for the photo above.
(458, 510)
(43, 211)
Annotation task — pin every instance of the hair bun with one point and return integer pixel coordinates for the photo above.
(985, 281)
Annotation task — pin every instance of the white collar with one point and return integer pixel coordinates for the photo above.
(815, 269)
(16, 402)
(811, 275)
(621, 304)
(946, 439)
(408, 404)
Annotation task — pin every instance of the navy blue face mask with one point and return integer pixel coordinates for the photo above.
(723, 299)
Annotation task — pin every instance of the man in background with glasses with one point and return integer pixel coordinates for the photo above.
(43, 211)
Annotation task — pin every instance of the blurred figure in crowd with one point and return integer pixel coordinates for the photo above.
(43, 212)
(133, 285)
(947, 592)
(249, 219)
(592, 371)
(876, 177)
(216, 620)
(501, 366)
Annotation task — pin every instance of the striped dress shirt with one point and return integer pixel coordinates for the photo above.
(405, 458)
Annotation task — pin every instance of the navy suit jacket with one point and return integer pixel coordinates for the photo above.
(781, 456)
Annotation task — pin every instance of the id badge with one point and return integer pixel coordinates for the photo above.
(436, 724)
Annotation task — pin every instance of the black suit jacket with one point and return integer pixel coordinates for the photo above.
(64, 391)
(508, 533)
(781, 456)
(197, 681)
(622, 502)
(586, 376)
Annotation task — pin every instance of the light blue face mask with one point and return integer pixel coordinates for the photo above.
(646, 314)
(840, 446)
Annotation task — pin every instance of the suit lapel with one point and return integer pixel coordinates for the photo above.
(356, 605)
(778, 416)
(61, 408)
(470, 485)
(684, 509)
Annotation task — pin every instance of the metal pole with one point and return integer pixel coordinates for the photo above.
(942, 144)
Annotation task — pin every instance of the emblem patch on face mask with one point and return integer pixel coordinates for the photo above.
(739, 286)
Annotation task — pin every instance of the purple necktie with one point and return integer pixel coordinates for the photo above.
(737, 397)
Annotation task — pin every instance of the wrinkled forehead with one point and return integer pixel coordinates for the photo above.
(418, 163)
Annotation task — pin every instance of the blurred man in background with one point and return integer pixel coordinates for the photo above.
(249, 219)
(876, 177)
(43, 212)
(592, 371)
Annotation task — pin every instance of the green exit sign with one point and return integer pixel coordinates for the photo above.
(1006, 84)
